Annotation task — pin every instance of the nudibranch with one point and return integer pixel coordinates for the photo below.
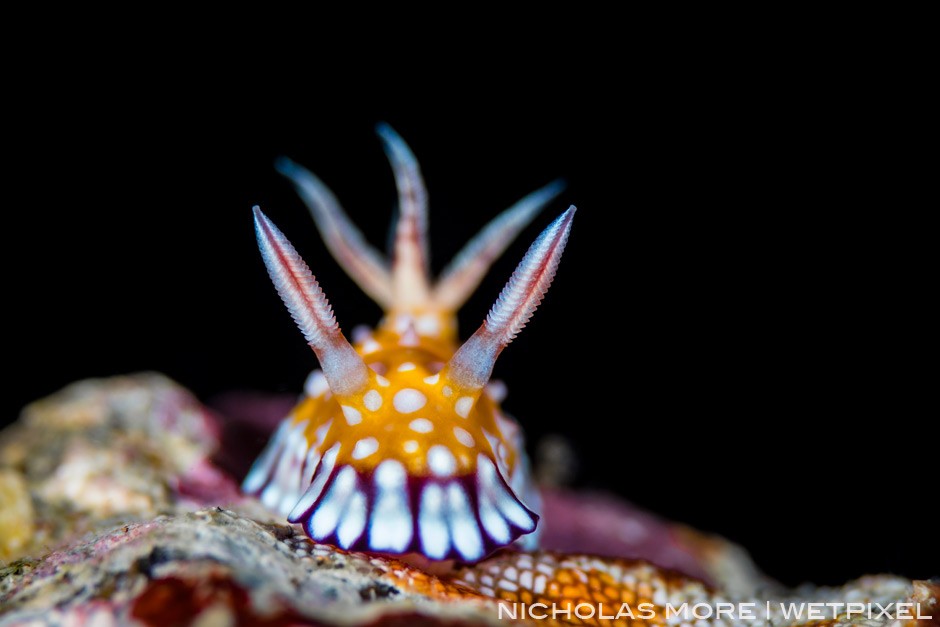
(399, 444)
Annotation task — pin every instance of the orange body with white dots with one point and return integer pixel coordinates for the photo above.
(399, 444)
(408, 411)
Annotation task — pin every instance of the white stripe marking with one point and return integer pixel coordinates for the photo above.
(310, 465)
(507, 504)
(319, 480)
(330, 509)
(320, 433)
(391, 526)
(271, 496)
(463, 528)
(262, 467)
(353, 521)
(435, 538)
(289, 468)
(509, 507)
(493, 523)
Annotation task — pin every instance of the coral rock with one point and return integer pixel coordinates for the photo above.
(115, 511)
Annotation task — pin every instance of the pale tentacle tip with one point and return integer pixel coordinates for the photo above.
(554, 188)
(286, 166)
(393, 141)
(386, 132)
(563, 222)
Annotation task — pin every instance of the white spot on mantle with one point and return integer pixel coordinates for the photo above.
(409, 400)
(421, 425)
(372, 400)
(463, 406)
(353, 415)
(441, 461)
(463, 436)
(365, 447)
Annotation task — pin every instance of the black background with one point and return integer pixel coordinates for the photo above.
(735, 338)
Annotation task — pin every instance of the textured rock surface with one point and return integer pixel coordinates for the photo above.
(102, 453)
(117, 507)
(176, 567)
